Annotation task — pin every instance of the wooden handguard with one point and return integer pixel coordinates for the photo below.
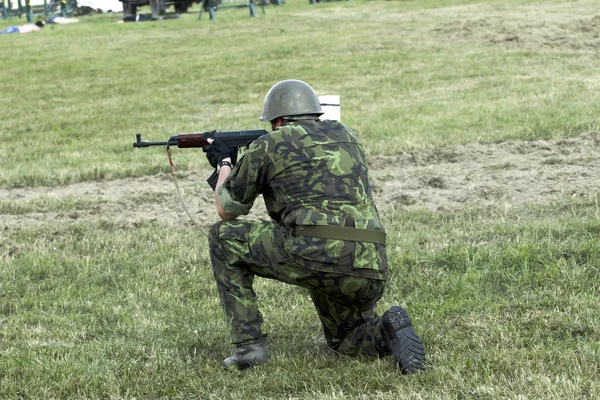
(190, 140)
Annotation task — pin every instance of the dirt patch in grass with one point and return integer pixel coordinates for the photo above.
(505, 175)
(538, 31)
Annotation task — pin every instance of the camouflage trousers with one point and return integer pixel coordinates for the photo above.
(241, 250)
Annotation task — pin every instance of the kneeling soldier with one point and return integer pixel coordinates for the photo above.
(324, 235)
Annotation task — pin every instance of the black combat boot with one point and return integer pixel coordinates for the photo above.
(247, 355)
(407, 348)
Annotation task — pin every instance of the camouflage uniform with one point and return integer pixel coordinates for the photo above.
(309, 172)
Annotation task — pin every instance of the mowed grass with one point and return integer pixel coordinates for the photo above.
(505, 300)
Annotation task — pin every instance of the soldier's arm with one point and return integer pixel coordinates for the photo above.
(223, 174)
(240, 187)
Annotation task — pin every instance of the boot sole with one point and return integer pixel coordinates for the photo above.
(407, 348)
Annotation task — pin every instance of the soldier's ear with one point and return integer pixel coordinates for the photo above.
(277, 122)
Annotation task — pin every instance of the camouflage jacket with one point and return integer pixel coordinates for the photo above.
(312, 172)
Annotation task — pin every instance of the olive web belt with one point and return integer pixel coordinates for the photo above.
(341, 233)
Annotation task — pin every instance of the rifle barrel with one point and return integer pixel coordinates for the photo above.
(149, 144)
(140, 143)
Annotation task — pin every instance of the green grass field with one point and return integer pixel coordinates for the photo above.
(96, 302)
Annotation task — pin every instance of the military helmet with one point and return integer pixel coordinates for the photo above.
(289, 98)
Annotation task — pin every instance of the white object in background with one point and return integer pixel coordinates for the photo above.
(331, 107)
(104, 5)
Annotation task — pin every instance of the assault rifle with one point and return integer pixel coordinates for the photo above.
(235, 139)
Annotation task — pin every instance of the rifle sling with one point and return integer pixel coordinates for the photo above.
(341, 233)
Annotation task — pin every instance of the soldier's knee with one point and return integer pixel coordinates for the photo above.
(214, 241)
(213, 235)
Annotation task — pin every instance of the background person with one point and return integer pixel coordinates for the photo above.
(60, 20)
(146, 17)
(325, 234)
(27, 28)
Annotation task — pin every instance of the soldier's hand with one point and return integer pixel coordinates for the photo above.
(216, 151)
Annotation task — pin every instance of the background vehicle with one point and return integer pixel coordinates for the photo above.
(158, 7)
